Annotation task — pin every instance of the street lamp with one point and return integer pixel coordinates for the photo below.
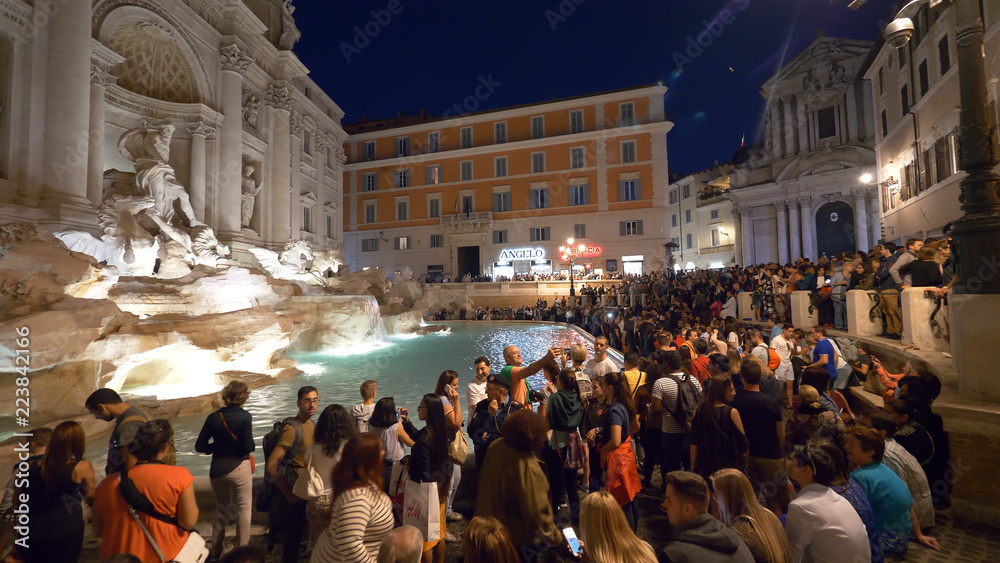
(976, 235)
(568, 256)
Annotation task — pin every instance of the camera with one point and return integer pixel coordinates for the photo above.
(535, 396)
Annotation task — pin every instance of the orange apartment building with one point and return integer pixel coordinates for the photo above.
(497, 192)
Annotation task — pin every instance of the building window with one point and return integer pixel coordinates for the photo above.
(433, 174)
(628, 152)
(369, 213)
(576, 121)
(307, 222)
(329, 226)
(402, 178)
(944, 56)
(466, 167)
(925, 80)
(687, 215)
(539, 234)
(672, 197)
(434, 141)
(370, 182)
(944, 157)
(904, 96)
(402, 146)
(369, 153)
(537, 127)
(676, 241)
(538, 198)
(630, 228)
(628, 190)
(715, 237)
(826, 120)
(369, 245)
(580, 230)
(402, 210)
(500, 166)
(626, 114)
(577, 158)
(673, 220)
(437, 241)
(686, 191)
(537, 162)
(307, 143)
(713, 214)
(401, 243)
(500, 132)
(466, 137)
(579, 194)
(885, 124)
(881, 80)
(434, 207)
(500, 236)
(501, 202)
(688, 241)
(468, 204)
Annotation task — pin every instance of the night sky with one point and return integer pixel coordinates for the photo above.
(432, 54)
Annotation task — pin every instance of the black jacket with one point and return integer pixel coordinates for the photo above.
(484, 429)
(705, 540)
(228, 452)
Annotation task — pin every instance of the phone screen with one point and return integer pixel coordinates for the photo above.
(574, 543)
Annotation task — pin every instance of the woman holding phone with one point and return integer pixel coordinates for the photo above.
(385, 424)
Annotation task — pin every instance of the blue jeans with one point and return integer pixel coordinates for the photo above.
(839, 311)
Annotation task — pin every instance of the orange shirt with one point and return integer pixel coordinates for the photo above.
(162, 485)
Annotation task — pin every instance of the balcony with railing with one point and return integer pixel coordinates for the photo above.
(721, 249)
(467, 221)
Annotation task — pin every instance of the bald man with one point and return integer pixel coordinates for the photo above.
(515, 374)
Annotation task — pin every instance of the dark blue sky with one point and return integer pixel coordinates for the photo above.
(431, 55)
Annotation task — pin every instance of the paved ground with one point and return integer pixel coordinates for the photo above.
(960, 541)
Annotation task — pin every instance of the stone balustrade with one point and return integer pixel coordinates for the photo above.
(918, 328)
(859, 317)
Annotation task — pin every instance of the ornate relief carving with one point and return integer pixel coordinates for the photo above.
(338, 155)
(295, 125)
(279, 98)
(154, 65)
(200, 128)
(101, 75)
(251, 106)
(234, 59)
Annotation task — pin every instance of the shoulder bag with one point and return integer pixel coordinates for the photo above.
(194, 550)
(310, 484)
(253, 463)
(458, 449)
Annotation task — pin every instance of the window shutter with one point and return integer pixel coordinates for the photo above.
(621, 228)
(427, 175)
(532, 200)
(586, 194)
(638, 227)
(621, 192)
(638, 193)
(545, 198)
(496, 203)
(545, 234)
(395, 243)
(533, 238)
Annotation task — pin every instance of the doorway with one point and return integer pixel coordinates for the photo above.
(834, 229)
(468, 261)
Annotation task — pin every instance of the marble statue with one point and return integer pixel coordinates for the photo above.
(294, 263)
(251, 189)
(329, 262)
(251, 107)
(290, 34)
(150, 150)
(124, 243)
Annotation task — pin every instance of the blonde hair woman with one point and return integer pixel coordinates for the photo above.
(606, 535)
(740, 510)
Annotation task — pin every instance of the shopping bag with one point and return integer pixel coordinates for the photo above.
(398, 479)
(422, 509)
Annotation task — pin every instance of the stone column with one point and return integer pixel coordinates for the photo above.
(229, 186)
(860, 220)
(67, 110)
(803, 124)
(779, 209)
(319, 150)
(196, 184)
(808, 229)
(852, 114)
(875, 221)
(746, 236)
(100, 80)
(775, 124)
(738, 247)
(295, 183)
(789, 129)
(795, 246)
(278, 186)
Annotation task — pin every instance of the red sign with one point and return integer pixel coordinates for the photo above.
(591, 251)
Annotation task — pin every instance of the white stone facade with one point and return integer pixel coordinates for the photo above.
(77, 74)
(802, 195)
(699, 219)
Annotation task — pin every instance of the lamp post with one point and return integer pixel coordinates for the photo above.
(567, 255)
(976, 235)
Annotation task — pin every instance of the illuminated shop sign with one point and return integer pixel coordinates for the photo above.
(633, 258)
(588, 251)
(508, 254)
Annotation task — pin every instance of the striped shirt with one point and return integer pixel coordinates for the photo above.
(360, 519)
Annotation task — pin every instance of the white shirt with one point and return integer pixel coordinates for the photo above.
(475, 392)
(823, 526)
(665, 389)
(783, 349)
(596, 369)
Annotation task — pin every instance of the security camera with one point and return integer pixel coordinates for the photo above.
(898, 32)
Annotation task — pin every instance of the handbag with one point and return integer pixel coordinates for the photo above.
(194, 549)
(458, 449)
(422, 509)
(310, 484)
(253, 463)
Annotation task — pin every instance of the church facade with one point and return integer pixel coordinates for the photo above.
(809, 192)
(249, 145)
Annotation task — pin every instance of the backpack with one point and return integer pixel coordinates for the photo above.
(269, 490)
(847, 349)
(688, 399)
(773, 359)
